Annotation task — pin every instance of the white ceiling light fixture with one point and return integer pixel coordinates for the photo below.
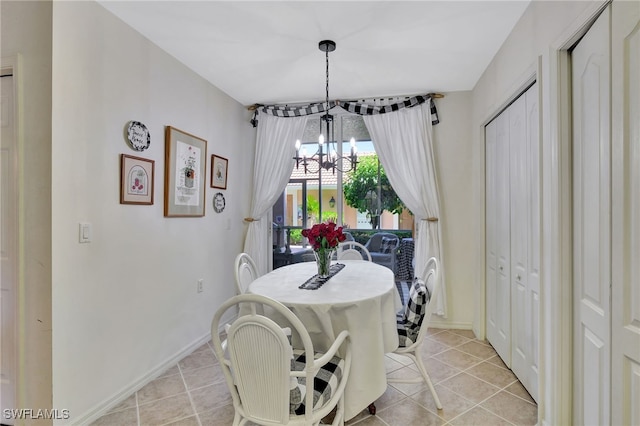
(329, 160)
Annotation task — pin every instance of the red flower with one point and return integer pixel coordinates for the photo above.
(323, 236)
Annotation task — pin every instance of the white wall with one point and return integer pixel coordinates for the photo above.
(453, 153)
(125, 305)
(26, 35)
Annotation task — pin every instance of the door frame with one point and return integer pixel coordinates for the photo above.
(13, 65)
(556, 346)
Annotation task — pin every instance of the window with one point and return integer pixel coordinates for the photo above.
(360, 200)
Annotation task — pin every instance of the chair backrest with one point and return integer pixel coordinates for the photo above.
(431, 278)
(374, 244)
(256, 358)
(246, 272)
(353, 250)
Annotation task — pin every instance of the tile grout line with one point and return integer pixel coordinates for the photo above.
(193, 405)
(137, 409)
(466, 370)
(503, 389)
(476, 405)
(497, 415)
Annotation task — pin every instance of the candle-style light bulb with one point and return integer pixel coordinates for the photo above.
(297, 144)
(353, 142)
(321, 139)
(304, 152)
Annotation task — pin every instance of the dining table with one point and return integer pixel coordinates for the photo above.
(360, 298)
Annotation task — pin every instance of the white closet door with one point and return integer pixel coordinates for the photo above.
(525, 238)
(591, 225)
(532, 308)
(625, 335)
(513, 236)
(499, 328)
(519, 243)
(490, 230)
(518, 221)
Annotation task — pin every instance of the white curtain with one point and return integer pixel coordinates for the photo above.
(403, 141)
(273, 164)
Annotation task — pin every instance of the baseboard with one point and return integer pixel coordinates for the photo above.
(103, 407)
(435, 322)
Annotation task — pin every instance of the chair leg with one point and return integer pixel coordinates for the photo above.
(238, 420)
(338, 419)
(372, 409)
(427, 379)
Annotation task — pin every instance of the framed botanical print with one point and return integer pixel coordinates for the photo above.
(184, 182)
(219, 172)
(136, 180)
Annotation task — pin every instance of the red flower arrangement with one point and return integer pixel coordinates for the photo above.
(324, 236)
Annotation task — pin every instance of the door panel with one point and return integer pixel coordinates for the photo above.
(625, 335)
(519, 218)
(501, 339)
(591, 224)
(8, 246)
(490, 230)
(525, 239)
(533, 254)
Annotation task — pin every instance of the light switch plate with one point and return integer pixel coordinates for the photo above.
(85, 232)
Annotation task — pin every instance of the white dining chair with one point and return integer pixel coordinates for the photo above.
(352, 250)
(383, 247)
(413, 325)
(245, 272)
(266, 377)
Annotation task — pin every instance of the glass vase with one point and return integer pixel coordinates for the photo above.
(323, 261)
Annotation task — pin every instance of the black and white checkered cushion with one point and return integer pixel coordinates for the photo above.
(326, 381)
(409, 323)
(387, 244)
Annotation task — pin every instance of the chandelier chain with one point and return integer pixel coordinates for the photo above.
(327, 85)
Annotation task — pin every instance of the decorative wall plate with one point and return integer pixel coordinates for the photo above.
(219, 202)
(138, 136)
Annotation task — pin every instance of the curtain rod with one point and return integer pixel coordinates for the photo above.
(433, 95)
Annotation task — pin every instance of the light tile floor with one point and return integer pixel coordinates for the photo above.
(473, 384)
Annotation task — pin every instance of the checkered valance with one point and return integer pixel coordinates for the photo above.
(367, 109)
(291, 111)
(295, 111)
(355, 107)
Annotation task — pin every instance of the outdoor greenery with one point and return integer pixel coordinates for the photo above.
(296, 236)
(313, 207)
(361, 184)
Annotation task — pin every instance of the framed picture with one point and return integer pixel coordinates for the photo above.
(219, 172)
(184, 174)
(136, 180)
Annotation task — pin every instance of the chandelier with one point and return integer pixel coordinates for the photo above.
(329, 160)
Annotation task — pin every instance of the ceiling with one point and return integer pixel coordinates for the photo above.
(267, 51)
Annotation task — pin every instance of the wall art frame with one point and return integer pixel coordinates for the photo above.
(136, 180)
(219, 171)
(185, 169)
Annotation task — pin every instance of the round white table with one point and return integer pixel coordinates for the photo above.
(361, 298)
